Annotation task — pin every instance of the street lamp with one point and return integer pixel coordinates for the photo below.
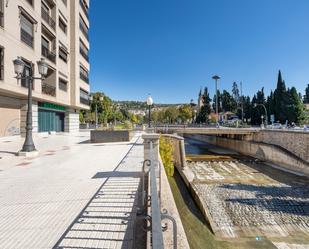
(216, 78)
(266, 121)
(96, 108)
(149, 103)
(19, 66)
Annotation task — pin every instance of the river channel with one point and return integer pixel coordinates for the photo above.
(202, 155)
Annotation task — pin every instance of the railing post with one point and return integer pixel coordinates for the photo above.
(154, 138)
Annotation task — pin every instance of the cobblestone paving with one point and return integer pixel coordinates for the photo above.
(241, 200)
(72, 196)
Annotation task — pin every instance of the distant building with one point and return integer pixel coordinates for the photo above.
(137, 112)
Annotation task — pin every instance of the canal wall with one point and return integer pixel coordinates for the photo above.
(297, 142)
(274, 154)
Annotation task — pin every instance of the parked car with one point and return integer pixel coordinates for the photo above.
(277, 126)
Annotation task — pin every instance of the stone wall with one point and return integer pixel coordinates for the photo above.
(266, 152)
(297, 142)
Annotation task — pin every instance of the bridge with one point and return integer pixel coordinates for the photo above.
(207, 130)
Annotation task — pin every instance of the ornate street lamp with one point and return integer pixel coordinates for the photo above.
(216, 78)
(19, 66)
(149, 103)
(101, 98)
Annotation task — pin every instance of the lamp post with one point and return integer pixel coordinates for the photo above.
(19, 66)
(216, 78)
(149, 102)
(96, 108)
(266, 119)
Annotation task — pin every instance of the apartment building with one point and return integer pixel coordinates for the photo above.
(56, 30)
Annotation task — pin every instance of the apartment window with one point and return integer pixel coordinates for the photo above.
(45, 14)
(1, 63)
(83, 96)
(84, 7)
(83, 74)
(83, 50)
(63, 54)
(62, 25)
(2, 13)
(63, 85)
(83, 27)
(30, 2)
(26, 30)
(27, 72)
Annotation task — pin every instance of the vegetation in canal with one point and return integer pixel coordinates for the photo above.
(198, 230)
(166, 153)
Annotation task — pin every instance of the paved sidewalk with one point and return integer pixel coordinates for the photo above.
(74, 195)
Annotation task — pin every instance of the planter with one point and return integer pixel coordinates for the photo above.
(102, 136)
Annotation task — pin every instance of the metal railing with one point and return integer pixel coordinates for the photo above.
(84, 54)
(48, 54)
(84, 77)
(84, 101)
(156, 216)
(26, 37)
(84, 30)
(47, 18)
(48, 89)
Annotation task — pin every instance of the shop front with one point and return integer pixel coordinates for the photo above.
(50, 117)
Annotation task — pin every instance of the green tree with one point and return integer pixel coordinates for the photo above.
(306, 96)
(219, 102)
(185, 113)
(171, 113)
(228, 103)
(280, 100)
(203, 114)
(294, 107)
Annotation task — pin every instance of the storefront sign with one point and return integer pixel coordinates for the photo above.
(52, 106)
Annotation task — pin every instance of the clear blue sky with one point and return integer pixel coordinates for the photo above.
(170, 48)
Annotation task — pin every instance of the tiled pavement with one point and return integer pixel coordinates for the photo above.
(74, 195)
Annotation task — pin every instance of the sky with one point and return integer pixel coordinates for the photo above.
(172, 48)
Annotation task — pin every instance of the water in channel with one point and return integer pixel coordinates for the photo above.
(197, 228)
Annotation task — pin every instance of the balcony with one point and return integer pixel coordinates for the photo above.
(84, 30)
(84, 77)
(84, 54)
(84, 8)
(26, 37)
(48, 89)
(84, 101)
(47, 18)
(48, 54)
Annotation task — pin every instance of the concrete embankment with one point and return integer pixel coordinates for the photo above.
(273, 154)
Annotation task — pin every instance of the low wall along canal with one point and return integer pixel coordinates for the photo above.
(229, 200)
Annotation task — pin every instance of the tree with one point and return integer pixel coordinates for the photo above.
(219, 102)
(228, 104)
(306, 96)
(185, 113)
(280, 98)
(203, 114)
(235, 92)
(171, 113)
(294, 107)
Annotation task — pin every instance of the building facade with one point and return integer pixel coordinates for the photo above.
(56, 30)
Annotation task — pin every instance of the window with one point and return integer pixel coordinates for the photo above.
(83, 50)
(63, 85)
(2, 13)
(84, 7)
(26, 30)
(65, 2)
(62, 25)
(1, 63)
(30, 2)
(63, 54)
(83, 74)
(83, 27)
(84, 96)
(27, 72)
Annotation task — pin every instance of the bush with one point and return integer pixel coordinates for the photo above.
(127, 125)
(166, 153)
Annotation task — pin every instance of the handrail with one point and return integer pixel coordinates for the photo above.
(156, 228)
(156, 215)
